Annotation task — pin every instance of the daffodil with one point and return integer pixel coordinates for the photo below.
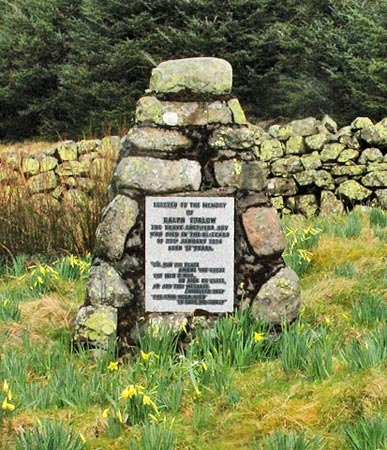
(146, 400)
(105, 413)
(113, 365)
(146, 356)
(258, 337)
(5, 386)
(129, 392)
(7, 406)
(327, 320)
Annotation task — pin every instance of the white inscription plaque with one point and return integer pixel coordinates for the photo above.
(189, 254)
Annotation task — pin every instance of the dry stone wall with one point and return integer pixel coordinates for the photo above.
(67, 171)
(191, 138)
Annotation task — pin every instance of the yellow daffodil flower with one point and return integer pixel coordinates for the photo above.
(146, 356)
(258, 337)
(146, 400)
(327, 320)
(105, 413)
(129, 392)
(113, 366)
(7, 406)
(5, 386)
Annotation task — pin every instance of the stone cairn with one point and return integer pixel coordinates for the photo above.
(191, 137)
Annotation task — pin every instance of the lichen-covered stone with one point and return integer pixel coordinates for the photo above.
(345, 131)
(350, 170)
(106, 287)
(348, 154)
(96, 325)
(155, 175)
(278, 300)
(274, 131)
(316, 141)
(110, 146)
(30, 166)
(350, 142)
(331, 152)
(351, 190)
(284, 166)
(48, 163)
(43, 182)
(240, 174)
(360, 123)
(281, 186)
(194, 75)
(238, 114)
(277, 202)
(381, 196)
(375, 179)
(12, 159)
(219, 113)
(306, 204)
(88, 145)
(311, 161)
(285, 132)
(329, 124)
(377, 167)
(147, 138)
(68, 151)
(270, 149)
(234, 138)
(330, 204)
(295, 145)
(375, 135)
(264, 231)
(370, 155)
(71, 168)
(323, 179)
(304, 127)
(118, 219)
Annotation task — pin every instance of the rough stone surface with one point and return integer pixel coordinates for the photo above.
(148, 138)
(279, 299)
(295, 145)
(306, 205)
(71, 168)
(43, 182)
(157, 175)
(270, 149)
(105, 286)
(311, 161)
(68, 151)
(96, 325)
(48, 163)
(375, 179)
(348, 154)
(195, 75)
(316, 141)
(304, 127)
(329, 124)
(331, 152)
(330, 204)
(353, 191)
(381, 195)
(375, 135)
(240, 174)
(371, 155)
(264, 232)
(118, 219)
(351, 170)
(285, 132)
(237, 112)
(361, 122)
(30, 166)
(235, 138)
(281, 186)
(289, 165)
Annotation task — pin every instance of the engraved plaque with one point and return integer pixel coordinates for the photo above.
(189, 254)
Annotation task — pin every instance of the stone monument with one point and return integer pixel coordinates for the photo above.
(189, 234)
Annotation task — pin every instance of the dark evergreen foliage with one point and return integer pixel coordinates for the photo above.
(73, 67)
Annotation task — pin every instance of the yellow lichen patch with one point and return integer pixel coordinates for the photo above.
(30, 146)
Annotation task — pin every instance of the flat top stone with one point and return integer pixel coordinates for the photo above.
(204, 75)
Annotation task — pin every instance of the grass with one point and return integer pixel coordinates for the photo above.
(239, 386)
